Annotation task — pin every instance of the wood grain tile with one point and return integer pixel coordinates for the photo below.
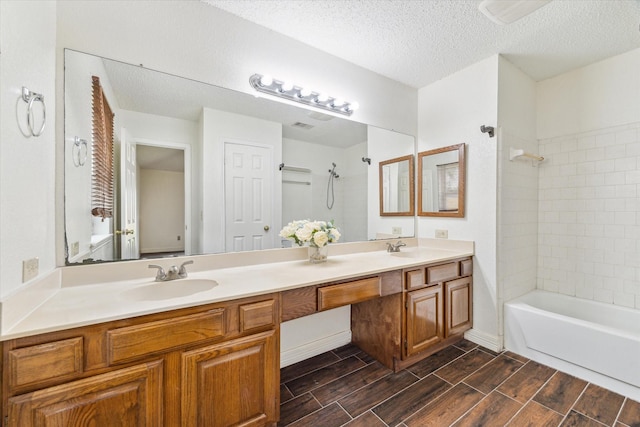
(435, 361)
(630, 414)
(369, 396)
(459, 369)
(535, 415)
(447, 409)
(494, 410)
(527, 381)
(493, 373)
(518, 357)
(285, 394)
(346, 351)
(324, 375)
(465, 345)
(297, 408)
(411, 399)
(329, 416)
(561, 392)
(600, 404)
(575, 419)
(365, 357)
(368, 419)
(302, 368)
(350, 383)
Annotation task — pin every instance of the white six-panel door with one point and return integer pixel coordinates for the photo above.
(130, 244)
(248, 197)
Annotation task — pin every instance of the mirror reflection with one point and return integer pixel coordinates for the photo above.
(441, 181)
(203, 169)
(396, 187)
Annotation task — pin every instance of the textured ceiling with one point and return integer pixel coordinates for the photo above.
(417, 42)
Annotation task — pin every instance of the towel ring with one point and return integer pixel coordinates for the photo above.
(31, 98)
(79, 159)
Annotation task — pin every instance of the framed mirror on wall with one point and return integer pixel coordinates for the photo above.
(397, 187)
(441, 182)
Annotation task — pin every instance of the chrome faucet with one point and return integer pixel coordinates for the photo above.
(173, 273)
(395, 248)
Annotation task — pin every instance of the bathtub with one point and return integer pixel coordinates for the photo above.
(597, 342)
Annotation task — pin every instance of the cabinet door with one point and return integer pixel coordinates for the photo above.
(127, 397)
(424, 319)
(232, 383)
(458, 296)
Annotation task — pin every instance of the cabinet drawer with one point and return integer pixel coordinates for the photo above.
(415, 279)
(62, 359)
(134, 341)
(348, 293)
(257, 315)
(466, 267)
(440, 273)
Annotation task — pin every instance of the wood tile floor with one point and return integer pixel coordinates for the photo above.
(462, 385)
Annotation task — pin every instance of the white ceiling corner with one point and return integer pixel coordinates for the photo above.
(417, 42)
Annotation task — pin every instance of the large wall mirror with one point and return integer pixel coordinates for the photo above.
(441, 182)
(397, 187)
(182, 152)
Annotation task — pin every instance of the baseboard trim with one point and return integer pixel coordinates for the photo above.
(492, 342)
(303, 352)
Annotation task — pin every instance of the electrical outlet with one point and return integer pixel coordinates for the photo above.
(179, 238)
(396, 230)
(442, 234)
(75, 249)
(29, 269)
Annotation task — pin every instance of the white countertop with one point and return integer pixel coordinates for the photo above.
(87, 304)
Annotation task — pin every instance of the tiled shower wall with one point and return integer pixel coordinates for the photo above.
(589, 215)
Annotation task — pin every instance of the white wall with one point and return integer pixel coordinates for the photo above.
(349, 210)
(384, 145)
(78, 119)
(517, 186)
(176, 133)
(589, 124)
(220, 127)
(27, 165)
(451, 111)
(161, 222)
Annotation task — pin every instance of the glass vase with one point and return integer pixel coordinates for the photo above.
(318, 254)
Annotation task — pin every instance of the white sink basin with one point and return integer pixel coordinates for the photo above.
(412, 254)
(168, 290)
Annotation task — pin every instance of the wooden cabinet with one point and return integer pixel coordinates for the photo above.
(225, 384)
(213, 365)
(425, 319)
(126, 397)
(432, 311)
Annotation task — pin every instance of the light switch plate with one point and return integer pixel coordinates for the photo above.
(29, 269)
(442, 234)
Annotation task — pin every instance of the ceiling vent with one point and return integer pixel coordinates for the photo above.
(507, 11)
(319, 116)
(301, 125)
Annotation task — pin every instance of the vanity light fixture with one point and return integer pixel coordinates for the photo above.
(287, 90)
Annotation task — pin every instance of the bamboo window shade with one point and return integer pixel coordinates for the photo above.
(102, 154)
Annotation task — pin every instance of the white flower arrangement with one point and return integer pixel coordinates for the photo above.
(316, 233)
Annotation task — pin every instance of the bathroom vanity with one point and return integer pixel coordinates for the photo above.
(216, 362)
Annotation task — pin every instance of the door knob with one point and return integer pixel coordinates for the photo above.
(267, 228)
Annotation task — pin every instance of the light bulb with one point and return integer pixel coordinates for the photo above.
(286, 86)
(266, 80)
(304, 92)
(323, 97)
(353, 106)
(337, 103)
